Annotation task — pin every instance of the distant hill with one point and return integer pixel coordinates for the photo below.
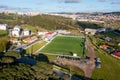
(114, 13)
(51, 22)
(48, 22)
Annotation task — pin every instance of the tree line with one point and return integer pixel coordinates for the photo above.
(10, 69)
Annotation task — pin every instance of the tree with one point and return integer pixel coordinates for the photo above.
(13, 54)
(19, 71)
(3, 43)
(42, 70)
(6, 60)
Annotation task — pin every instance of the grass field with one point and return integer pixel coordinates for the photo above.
(65, 45)
(3, 32)
(110, 68)
(35, 47)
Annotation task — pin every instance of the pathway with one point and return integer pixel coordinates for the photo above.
(87, 66)
(91, 63)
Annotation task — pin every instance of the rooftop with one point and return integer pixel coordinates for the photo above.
(104, 46)
(117, 53)
(17, 26)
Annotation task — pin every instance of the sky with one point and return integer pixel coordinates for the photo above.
(60, 5)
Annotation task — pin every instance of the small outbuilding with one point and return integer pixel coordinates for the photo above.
(16, 32)
(26, 32)
(117, 53)
(75, 55)
(104, 46)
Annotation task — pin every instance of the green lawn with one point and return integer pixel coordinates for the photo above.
(35, 47)
(51, 57)
(3, 33)
(32, 28)
(65, 45)
(110, 68)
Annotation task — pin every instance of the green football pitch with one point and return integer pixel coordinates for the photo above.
(65, 45)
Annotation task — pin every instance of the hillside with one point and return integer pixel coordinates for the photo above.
(48, 22)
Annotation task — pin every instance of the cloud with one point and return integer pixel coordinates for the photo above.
(116, 2)
(40, 3)
(102, 0)
(66, 7)
(5, 7)
(70, 1)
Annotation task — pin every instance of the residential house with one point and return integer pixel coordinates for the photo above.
(90, 31)
(34, 38)
(26, 40)
(41, 33)
(26, 32)
(49, 35)
(104, 46)
(30, 39)
(108, 39)
(117, 53)
(4, 27)
(16, 32)
(107, 48)
(13, 40)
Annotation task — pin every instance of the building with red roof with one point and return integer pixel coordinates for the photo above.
(26, 40)
(49, 33)
(104, 46)
(14, 40)
(117, 53)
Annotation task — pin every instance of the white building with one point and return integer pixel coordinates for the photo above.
(49, 36)
(16, 31)
(14, 40)
(41, 33)
(90, 31)
(26, 32)
(3, 26)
